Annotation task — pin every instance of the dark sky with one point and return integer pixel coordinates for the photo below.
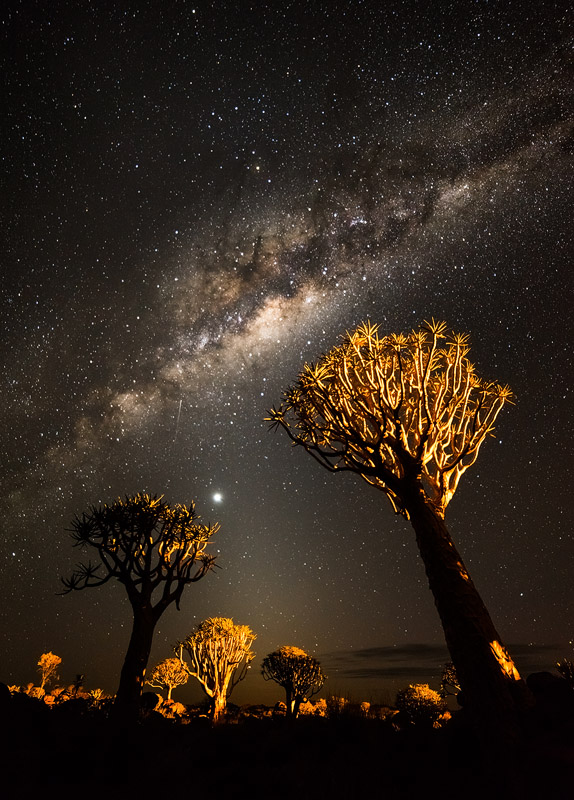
(198, 197)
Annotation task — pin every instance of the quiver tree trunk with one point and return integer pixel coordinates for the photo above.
(492, 690)
(146, 545)
(295, 706)
(132, 677)
(292, 703)
(219, 706)
(409, 414)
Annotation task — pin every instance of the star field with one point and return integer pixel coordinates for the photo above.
(200, 197)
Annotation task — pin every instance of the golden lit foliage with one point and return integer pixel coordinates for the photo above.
(308, 708)
(143, 542)
(59, 694)
(220, 654)
(298, 673)
(48, 668)
(394, 407)
(168, 674)
(172, 710)
(421, 704)
(35, 691)
(96, 697)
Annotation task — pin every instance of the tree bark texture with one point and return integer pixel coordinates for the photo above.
(219, 707)
(493, 691)
(296, 705)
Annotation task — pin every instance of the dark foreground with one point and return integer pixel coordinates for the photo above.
(80, 750)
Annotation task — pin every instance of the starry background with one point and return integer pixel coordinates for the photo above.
(198, 197)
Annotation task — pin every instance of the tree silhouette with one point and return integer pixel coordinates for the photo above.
(298, 673)
(155, 551)
(48, 668)
(220, 655)
(168, 674)
(408, 414)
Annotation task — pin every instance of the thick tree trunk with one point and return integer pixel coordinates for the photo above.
(492, 689)
(219, 706)
(296, 705)
(289, 702)
(292, 702)
(132, 677)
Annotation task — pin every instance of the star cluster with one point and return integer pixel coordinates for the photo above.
(200, 197)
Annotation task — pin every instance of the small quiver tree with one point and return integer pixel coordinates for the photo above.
(298, 673)
(155, 551)
(168, 674)
(220, 654)
(409, 414)
(48, 668)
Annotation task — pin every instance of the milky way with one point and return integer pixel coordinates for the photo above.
(201, 199)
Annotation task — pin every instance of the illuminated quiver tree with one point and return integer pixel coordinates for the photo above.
(408, 414)
(48, 668)
(220, 654)
(155, 551)
(298, 673)
(168, 674)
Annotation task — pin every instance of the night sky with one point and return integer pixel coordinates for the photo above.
(198, 198)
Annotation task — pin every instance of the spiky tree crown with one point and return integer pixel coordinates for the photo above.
(294, 670)
(394, 407)
(143, 542)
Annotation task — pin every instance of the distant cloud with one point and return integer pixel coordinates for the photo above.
(423, 662)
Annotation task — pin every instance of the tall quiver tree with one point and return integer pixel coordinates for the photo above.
(219, 653)
(155, 551)
(298, 673)
(408, 414)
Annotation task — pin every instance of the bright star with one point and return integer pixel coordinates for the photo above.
(217, 497)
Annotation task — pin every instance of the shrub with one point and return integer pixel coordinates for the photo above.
(421, 705)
